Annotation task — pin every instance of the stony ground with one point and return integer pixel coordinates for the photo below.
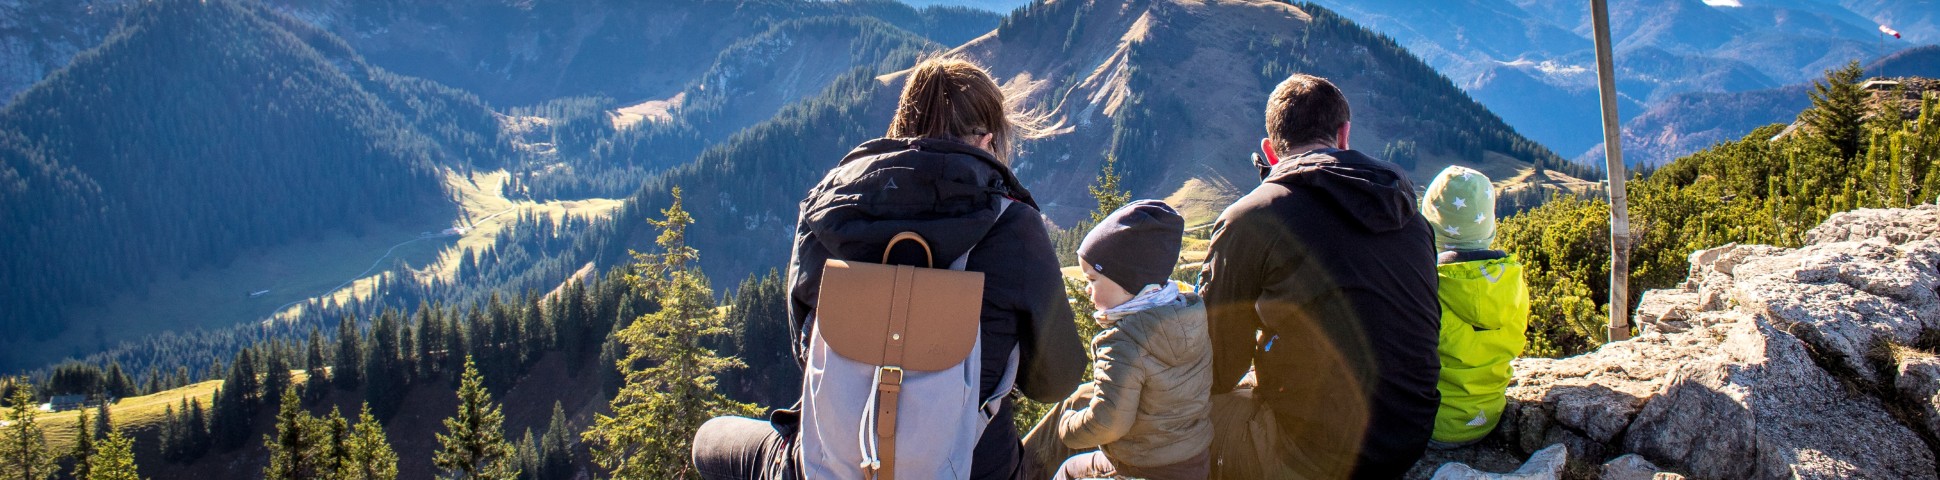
(1814, 362)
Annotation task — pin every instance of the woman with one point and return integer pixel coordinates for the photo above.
(943, 171)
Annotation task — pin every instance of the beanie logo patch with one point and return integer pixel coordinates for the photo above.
(891, 185)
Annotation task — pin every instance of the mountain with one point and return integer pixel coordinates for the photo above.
(610, 148)
(1686, 123)
(1127, 82)
(1523, 58)
(509, 53)
(1916, 20)
(999, 6)
(200, 131)
(525, 53)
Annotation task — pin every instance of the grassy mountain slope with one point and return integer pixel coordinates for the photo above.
(201, 130)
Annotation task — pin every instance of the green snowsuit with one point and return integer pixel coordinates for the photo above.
(1485, 311)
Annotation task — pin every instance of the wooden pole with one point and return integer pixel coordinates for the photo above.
(1606, 75)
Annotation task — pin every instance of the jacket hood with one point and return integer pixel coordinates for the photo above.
(945, 190)
(1487, 294)
(1374, 192)
(1172, 334)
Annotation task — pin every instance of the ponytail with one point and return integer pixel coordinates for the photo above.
(954, 99)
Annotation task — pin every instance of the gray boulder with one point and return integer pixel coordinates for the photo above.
(1766, 362)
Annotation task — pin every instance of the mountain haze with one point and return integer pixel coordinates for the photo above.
(1532, 61)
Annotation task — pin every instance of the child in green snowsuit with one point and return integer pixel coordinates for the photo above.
(1485, 306)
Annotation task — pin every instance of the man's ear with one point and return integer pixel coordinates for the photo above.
(984, 141)
(1266, 146)
(1344, 129)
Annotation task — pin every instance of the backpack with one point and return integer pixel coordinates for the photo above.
(894, 362)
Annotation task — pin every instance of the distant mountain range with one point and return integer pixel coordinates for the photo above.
(1532, 61)
(1688, 122)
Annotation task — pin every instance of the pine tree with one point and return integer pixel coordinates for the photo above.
(24, 453)
(1108, 191)
(294, 451)
(103, 422)
(276, 375)
(556, 449)
(235, 404)
(347, 372)
(474, 446)
(384, 377)
(113, 460)
(528, 456)
(172, 433)
(367, 452)
(430, 342)
(197, 430)
(334, 438)
(1838, 104)
(83, 445)
(669, 374)
(119, 385)
(316, 368)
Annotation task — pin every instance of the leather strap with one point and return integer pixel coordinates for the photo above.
(889, 375)
(889, 388)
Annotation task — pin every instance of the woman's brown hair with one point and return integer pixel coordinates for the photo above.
(955, 99)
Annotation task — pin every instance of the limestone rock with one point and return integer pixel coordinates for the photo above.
(1766, 362)
(1633, 467)
(1895, 226)
(1919, 389)
(1546, 464)
(1847, 299)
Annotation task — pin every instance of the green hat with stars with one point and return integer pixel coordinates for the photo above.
(1460, 205)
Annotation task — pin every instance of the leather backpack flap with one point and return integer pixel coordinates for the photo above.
(866, 309)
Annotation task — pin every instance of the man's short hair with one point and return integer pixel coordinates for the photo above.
(1305, 109)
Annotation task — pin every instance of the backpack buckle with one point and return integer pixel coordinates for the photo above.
(889, 375)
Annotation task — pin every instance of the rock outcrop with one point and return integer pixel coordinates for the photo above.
(1767, 362)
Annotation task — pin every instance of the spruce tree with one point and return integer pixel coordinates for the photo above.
(430, 342)
(316, 368)
(474, 445)
(171, 435)
(24, 454)
(103, 423)
(384, 377)
(1838, 104)
(367, 452)
(556, 449)
(347, 371)
(276, 375)
(1109, 190)
(669, 373)
(113, 460)
(83, 445)
(294, 450)
(197, 430)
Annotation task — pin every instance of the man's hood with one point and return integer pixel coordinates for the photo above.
(944, 190)
(1375, 193)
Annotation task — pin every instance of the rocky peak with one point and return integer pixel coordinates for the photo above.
(1767, 362)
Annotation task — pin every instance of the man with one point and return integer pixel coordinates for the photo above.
(1322, 281)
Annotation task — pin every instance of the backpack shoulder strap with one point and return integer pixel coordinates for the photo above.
(1003, 204)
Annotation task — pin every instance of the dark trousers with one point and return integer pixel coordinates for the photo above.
(736, 448)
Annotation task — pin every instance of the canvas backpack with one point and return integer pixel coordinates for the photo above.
(894, 362)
